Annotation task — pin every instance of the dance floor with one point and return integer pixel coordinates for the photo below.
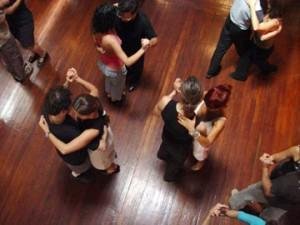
(263, 116)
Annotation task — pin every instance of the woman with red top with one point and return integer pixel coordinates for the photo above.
(112, 59)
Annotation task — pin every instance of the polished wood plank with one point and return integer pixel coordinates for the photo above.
(263, 116)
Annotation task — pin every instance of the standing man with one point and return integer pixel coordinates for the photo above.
(21, 25)
(132, 26)
(9, 50)
(236, 30)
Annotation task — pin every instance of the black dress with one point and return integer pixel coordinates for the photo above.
(176, 143)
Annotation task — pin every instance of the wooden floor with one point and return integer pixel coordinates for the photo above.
(263, 116)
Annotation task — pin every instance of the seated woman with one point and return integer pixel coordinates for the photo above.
(211, 114)
(112, 59)
(284, 162)
(96, 134)
(265, 30)
(176, 141)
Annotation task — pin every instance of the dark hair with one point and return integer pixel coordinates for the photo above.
(57, 99)
(191, 95)
(272, 222)
(217, 97)
(104, 18)
(86, 104)
(275, 10)
(128, 6)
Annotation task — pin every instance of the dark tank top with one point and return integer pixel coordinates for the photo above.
(172, 129)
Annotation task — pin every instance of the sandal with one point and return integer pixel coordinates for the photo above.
(42, 59)
(111, 172)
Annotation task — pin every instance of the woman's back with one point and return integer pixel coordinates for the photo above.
(107, 56)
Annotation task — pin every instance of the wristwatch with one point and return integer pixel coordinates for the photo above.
(195, 134)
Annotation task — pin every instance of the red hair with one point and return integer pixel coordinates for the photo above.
(218, 96)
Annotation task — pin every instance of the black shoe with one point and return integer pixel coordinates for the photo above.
(131, 88)
(270, 69)
(28, 69)
(33, 58)
(85, 178)
(213, 73)
(237, 77)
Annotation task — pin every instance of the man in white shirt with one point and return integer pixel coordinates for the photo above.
(236, 30)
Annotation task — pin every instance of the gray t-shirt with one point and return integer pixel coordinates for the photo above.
(240, 13)
(4, 30)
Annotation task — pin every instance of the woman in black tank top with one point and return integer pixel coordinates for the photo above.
(176, 140)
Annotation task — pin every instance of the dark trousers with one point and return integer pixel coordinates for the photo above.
(135, 71)
(231, 34)
(256, 55)
(13, 59)
(174, 155)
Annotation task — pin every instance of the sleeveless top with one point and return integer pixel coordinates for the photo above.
(173, 130)
(97, 123)
(111, 60)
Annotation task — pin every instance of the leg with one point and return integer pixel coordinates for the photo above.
(260, 59)
(162, 153)
(13, 59)
(22, 27)
(173, 171)
(80, 169)
(134, 73)
(243, 66)
(241, 40)
(224, 43)
(253, 193)
(118, 85)
(272, 213)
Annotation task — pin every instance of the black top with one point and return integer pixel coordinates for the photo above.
(133, 31)
(66, 132)
(20, 13)
(173, 130)
(286, 190)
(98, 124)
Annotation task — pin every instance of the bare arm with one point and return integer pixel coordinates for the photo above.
(216, 130)
(163, 102)
(271, 34)
(254, 19)
(292, 152)
(89, 86)
(72, 75)
(110, 42)
(13, 7)
(165, 99)
(189, 124)
(262, 27)
(217, 210)
(153, 41)
(76, 144)
(206, 220)
(266, 181)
